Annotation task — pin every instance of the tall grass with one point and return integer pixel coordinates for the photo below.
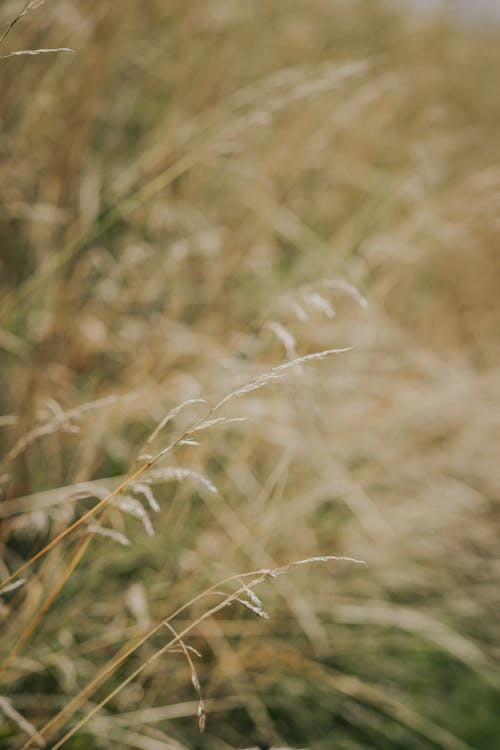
(196, 205)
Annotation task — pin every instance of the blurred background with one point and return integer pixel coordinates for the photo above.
(199, 192)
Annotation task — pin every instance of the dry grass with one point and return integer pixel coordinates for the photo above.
(197, 204)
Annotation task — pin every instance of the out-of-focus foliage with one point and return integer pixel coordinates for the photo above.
(199, 192)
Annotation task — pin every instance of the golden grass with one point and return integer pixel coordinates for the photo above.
(196, 205)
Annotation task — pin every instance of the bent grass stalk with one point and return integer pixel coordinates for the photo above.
(174, 641)
(201, 423)
(27, 7)
(129, 649)
(200, 712)
(257, 576)
(252, 385)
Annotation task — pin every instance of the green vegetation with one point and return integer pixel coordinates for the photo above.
(198, 194)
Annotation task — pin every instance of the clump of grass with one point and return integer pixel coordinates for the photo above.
(196, 194)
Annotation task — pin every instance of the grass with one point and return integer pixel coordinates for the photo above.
(200, 207)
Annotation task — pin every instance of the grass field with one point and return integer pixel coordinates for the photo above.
(196, 196)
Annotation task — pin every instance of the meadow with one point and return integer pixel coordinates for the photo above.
(249, 339)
